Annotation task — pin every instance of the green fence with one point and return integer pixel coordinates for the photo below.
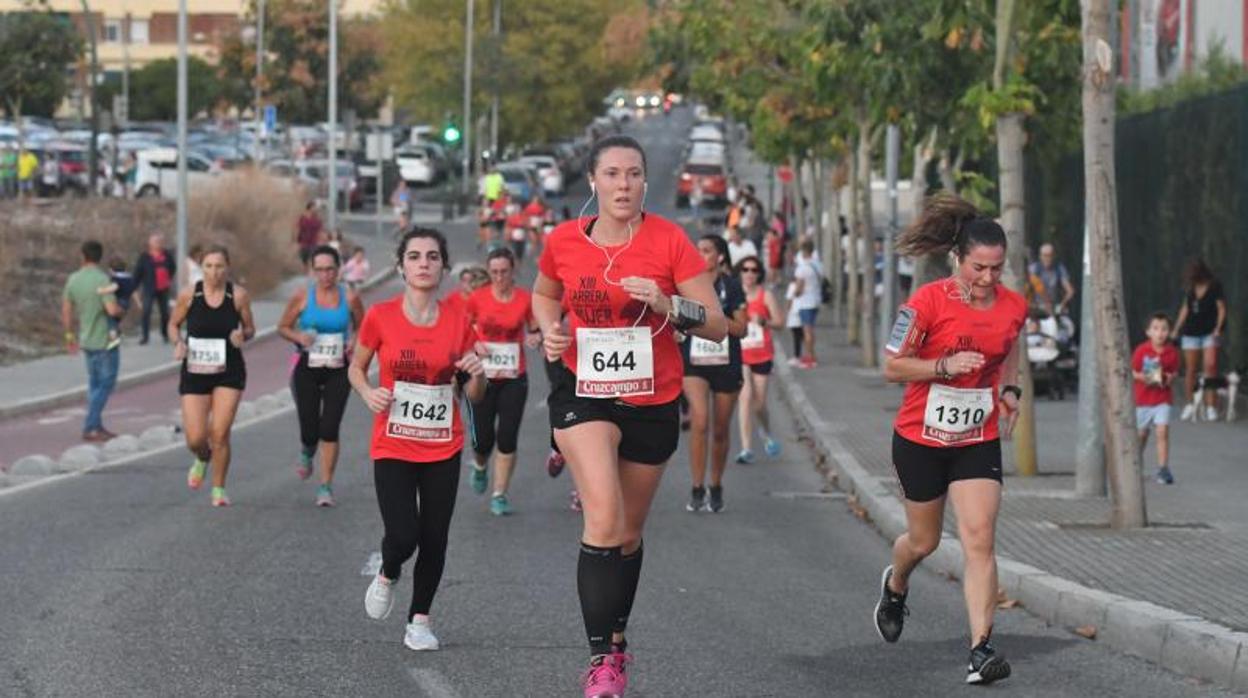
(1182, 181)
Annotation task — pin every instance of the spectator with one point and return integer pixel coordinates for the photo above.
(194, 273)
(1202, 317)
(1054, 281)
(154, 271)
(308, 232)
(27, 165)
(401, 202)
(84, 316)
(738, 247)
(1154, 365)
(356, 270)
(493, 185)
(808, 274)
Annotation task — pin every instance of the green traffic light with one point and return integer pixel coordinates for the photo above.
(450, 134)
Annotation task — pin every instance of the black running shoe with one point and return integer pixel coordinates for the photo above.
(697, 499)
(716, 503)
(986, 665)
(890, 611)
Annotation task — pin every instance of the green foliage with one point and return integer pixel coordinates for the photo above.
(36, 46)
(296, 68)
(1217, 72)
(154, 89)
(555, 62)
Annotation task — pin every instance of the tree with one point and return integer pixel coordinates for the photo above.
(36, 46)
(554, 63)
(153, 89)
(296, 70)
(1122, 447)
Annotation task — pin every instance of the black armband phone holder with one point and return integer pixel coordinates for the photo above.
(686, 314)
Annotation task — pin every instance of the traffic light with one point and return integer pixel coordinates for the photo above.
(450, 134)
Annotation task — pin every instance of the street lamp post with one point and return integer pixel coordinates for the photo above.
(466, 131)
(182, 115)
(259, 75)
(332, 175)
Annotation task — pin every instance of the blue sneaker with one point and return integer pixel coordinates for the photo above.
(745, 457)
(771, 447)
(499, 506)
(480, 479)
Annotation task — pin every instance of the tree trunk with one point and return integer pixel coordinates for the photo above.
(927, 268)
(948, 172)
(853, 278)
(799, 199)
(1010, 139)
(866, 233)
(1122, 448)
(832, 243)
(817, 180)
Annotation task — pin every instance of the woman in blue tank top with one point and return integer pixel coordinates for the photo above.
(321, 320)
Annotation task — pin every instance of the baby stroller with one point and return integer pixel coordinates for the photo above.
(1053, 354)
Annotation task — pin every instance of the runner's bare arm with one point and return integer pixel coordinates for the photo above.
(376, 399)
(242, 300)
(1009, 401)
(178, 315)
(356, 305)
(548, 312)
(737, 324)
(286, 325)
(773, 309)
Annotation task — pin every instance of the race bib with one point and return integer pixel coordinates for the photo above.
(704, 352)
(753, 336)
(956, 415)
(327, 351)
(421, 412)
(502, 359)
(614, 362)
(535, 221)
(205, 356)
(518, 234)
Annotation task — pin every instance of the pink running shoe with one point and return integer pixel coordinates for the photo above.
(605, 677)
(555, 463)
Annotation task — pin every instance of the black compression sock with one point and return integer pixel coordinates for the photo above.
(598, 582)
(630, 573)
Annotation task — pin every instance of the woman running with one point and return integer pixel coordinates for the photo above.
(713, 380)
(425, 348)
(757, 354)
(470, 279)
(1201, 320)
(321, 319)
(502, 316)
(954, 343)
(218, 321)
(613, 405)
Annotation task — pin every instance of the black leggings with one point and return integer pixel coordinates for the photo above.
(503, 399)
(416, 502)
(798, 337)
(320, 399)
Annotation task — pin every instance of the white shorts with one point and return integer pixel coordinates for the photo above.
(1153, 414)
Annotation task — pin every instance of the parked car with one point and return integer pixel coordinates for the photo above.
(157, 171)
(417, 165)
(520, 179)
(548, 173)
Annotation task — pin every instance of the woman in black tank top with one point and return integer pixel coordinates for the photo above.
(218, 321)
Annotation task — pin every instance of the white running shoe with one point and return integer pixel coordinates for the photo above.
(379, 599)
(1211, 413)
(1189, 411)
(419, 636)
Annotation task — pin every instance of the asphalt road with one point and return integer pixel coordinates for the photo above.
(122, 582)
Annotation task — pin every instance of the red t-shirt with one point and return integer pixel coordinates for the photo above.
(757, 307)
(309, 229)
(660, 250)
(534, 213)
(162, 271)
(456, 301)
(421, 355)
(496, 321)
(935, 322)
(517, 226)
(1148, 360)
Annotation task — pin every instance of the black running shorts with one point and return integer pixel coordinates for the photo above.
(926, 471)
(648, 434)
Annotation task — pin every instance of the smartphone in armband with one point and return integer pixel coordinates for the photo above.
(687, 314)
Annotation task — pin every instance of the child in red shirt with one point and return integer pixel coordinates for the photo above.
(1154, 365)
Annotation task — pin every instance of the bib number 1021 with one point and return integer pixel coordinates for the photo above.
(417, 411)
(955, 416)
(614, 361)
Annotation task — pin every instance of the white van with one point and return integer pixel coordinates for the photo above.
(156, 172)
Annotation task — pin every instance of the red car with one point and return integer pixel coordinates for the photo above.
(711, 177)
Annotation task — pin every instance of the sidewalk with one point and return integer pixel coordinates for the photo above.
(59, 380)
(1192, 559)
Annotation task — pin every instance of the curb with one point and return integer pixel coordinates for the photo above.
(281, 404)
(75, 395)
(1177, 641)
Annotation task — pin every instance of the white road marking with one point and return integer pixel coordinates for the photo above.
(433, 683)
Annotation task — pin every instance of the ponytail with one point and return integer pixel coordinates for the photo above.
(947, 224)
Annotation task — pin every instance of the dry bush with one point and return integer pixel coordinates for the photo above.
(249, 212)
